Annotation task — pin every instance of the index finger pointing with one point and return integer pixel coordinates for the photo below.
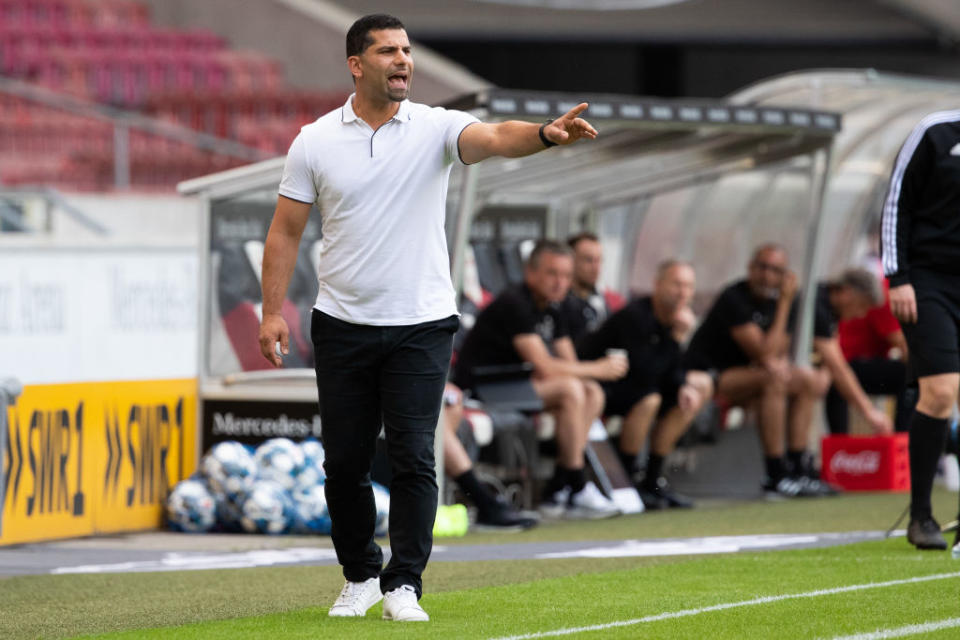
(576, 111)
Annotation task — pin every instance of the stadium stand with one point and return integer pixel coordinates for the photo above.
(107, 52)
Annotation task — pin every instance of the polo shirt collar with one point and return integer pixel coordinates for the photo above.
(348, 115)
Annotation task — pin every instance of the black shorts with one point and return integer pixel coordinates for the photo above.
(622, 394)
(934, 340)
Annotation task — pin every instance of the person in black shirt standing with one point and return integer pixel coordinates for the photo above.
(920, 234)
(524, 324)
(651, 329)
(744, 339)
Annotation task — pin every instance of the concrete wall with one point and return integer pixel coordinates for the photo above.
(134, 217)
(308, 37)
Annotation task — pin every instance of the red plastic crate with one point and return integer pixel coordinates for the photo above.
(876, 463)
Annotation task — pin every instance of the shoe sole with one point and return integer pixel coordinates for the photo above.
(922, 546)
(354, 614)
(392, 619)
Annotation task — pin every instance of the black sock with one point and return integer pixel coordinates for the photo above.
(775, 468)
(628, 460)
(481, 497)
(927, 437)
(556, 483)
(654, 470)
(576, 479)
(795, 462)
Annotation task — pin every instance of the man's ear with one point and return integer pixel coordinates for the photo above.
(356, 69)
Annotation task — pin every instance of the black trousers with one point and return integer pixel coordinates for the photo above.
(368, 377)
(878, 376)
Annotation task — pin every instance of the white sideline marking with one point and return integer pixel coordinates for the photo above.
(909, 630)
(732, 605)
(200, 561)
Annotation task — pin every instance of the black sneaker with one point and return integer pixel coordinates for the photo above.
(819, 487)
(503, 517)
(662, 496)
(925, 534)
(788, 487)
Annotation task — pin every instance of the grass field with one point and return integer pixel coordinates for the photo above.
(811, 593)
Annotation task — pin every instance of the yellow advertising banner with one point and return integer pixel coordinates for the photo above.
(89, 458)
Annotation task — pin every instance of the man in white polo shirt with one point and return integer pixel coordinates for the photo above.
(385, 316)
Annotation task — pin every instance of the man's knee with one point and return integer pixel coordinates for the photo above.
(703, 383)
(571, 393)
(809, 381)
(648, 403)
(938, 395)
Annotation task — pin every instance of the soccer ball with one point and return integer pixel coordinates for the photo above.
(382, 497)
(229, 468)
(312, 473)
(310, 506)
(279, 460)
(191, 507)
(268, 508)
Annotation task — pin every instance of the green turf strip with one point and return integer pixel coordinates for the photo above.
(598, 598)
(70, 605)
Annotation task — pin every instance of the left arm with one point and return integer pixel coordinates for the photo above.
(848, 385)
(514, 138)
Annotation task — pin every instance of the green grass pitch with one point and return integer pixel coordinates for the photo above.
(719, 596)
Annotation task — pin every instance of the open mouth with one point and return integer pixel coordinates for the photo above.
(397, 81)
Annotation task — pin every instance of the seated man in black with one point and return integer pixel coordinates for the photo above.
(524, 324)
(651, 330)
(585, 307)
(745, 339)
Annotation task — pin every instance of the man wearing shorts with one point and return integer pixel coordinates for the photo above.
(657, 396)
(920, 236)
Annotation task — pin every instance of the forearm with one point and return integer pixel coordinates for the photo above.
(776, 340)
(279, 260)
(847, 384)
(555, 367)
(512, 139)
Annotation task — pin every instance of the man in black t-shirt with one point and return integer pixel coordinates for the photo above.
(745, 339)
(524, 324)
(586, 307)
(651, 330)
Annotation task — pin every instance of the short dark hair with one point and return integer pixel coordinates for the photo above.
(576, 239)
(358, 37)
(546, 245)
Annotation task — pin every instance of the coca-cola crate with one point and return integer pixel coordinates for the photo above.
(875, 463)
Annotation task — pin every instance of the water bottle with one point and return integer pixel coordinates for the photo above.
(955, 553)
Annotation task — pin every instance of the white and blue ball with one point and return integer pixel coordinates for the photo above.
(267, 508)
(191, 507)
(381, 496)
(313, 456)
(229, 468)
(279, 460)
(310, 505)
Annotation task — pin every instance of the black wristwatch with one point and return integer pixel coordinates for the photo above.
(546, 143)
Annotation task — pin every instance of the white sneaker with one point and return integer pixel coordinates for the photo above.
(356, 598)
(401, 604)
(590, 504)
(555, 505)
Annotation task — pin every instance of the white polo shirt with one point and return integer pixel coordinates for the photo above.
(382, 198)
